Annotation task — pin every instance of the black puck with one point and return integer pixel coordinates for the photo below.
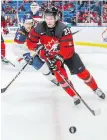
(72, 129)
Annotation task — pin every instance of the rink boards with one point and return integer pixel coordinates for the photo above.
(87, 36)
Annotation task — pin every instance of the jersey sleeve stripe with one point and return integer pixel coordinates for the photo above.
(19, 42)
(34, 35)
(66, 40)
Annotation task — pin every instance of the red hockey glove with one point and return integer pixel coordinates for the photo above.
(42, 54)
(5, 31)
(56, 63)
(38, 48)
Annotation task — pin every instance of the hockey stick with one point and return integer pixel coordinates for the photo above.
(94, 112)
(4, 89)
(8, 60)
(76, 32)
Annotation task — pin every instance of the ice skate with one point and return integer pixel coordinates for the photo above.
(76, 100)
(100, 93)
(4, 61)
(55, 82)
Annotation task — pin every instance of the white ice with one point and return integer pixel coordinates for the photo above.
(33, 108)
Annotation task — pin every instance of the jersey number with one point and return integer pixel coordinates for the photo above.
(67, 31)
(18, 37)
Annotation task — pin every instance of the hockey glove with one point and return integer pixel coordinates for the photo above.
(38, 48)
(28, 58)
(56, 63)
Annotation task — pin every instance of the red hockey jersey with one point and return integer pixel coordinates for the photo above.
(57, 40)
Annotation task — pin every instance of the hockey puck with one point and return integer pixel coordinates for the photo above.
(72, 129)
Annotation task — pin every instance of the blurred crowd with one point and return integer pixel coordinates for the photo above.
(75, 12)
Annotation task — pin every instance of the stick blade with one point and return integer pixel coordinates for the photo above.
(96, 112)
(3, 90)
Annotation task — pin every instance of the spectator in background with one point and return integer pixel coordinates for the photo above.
(11, 22)
(8, 20)
(2, 10)
(68, 7)
(25, 1)
(97, 7)
(13, 11)
(7, 9)
(105, 13)
(34, 11)
(45, 5)
(7, 1)
(15, 21)
(21, 8)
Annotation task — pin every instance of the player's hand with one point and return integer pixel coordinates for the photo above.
(38, 48)
(28, 58)
(56, 63)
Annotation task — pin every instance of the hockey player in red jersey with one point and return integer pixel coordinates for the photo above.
(23, 54)
(58, 49)
(3, 46)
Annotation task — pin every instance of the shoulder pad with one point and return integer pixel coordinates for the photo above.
(38, 28)
(59, 29)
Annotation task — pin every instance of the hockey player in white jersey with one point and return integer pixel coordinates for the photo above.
(21, 51)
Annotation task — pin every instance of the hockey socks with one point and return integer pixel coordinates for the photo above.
(88, 79)
(63, 84)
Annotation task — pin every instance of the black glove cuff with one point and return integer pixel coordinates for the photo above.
(38, 48)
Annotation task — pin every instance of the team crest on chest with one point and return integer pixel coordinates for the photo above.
(52, 45)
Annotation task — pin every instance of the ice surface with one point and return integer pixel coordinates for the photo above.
(34, 109)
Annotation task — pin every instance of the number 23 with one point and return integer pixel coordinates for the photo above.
(67, 31)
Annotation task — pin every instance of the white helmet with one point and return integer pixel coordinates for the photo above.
(34, 7)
